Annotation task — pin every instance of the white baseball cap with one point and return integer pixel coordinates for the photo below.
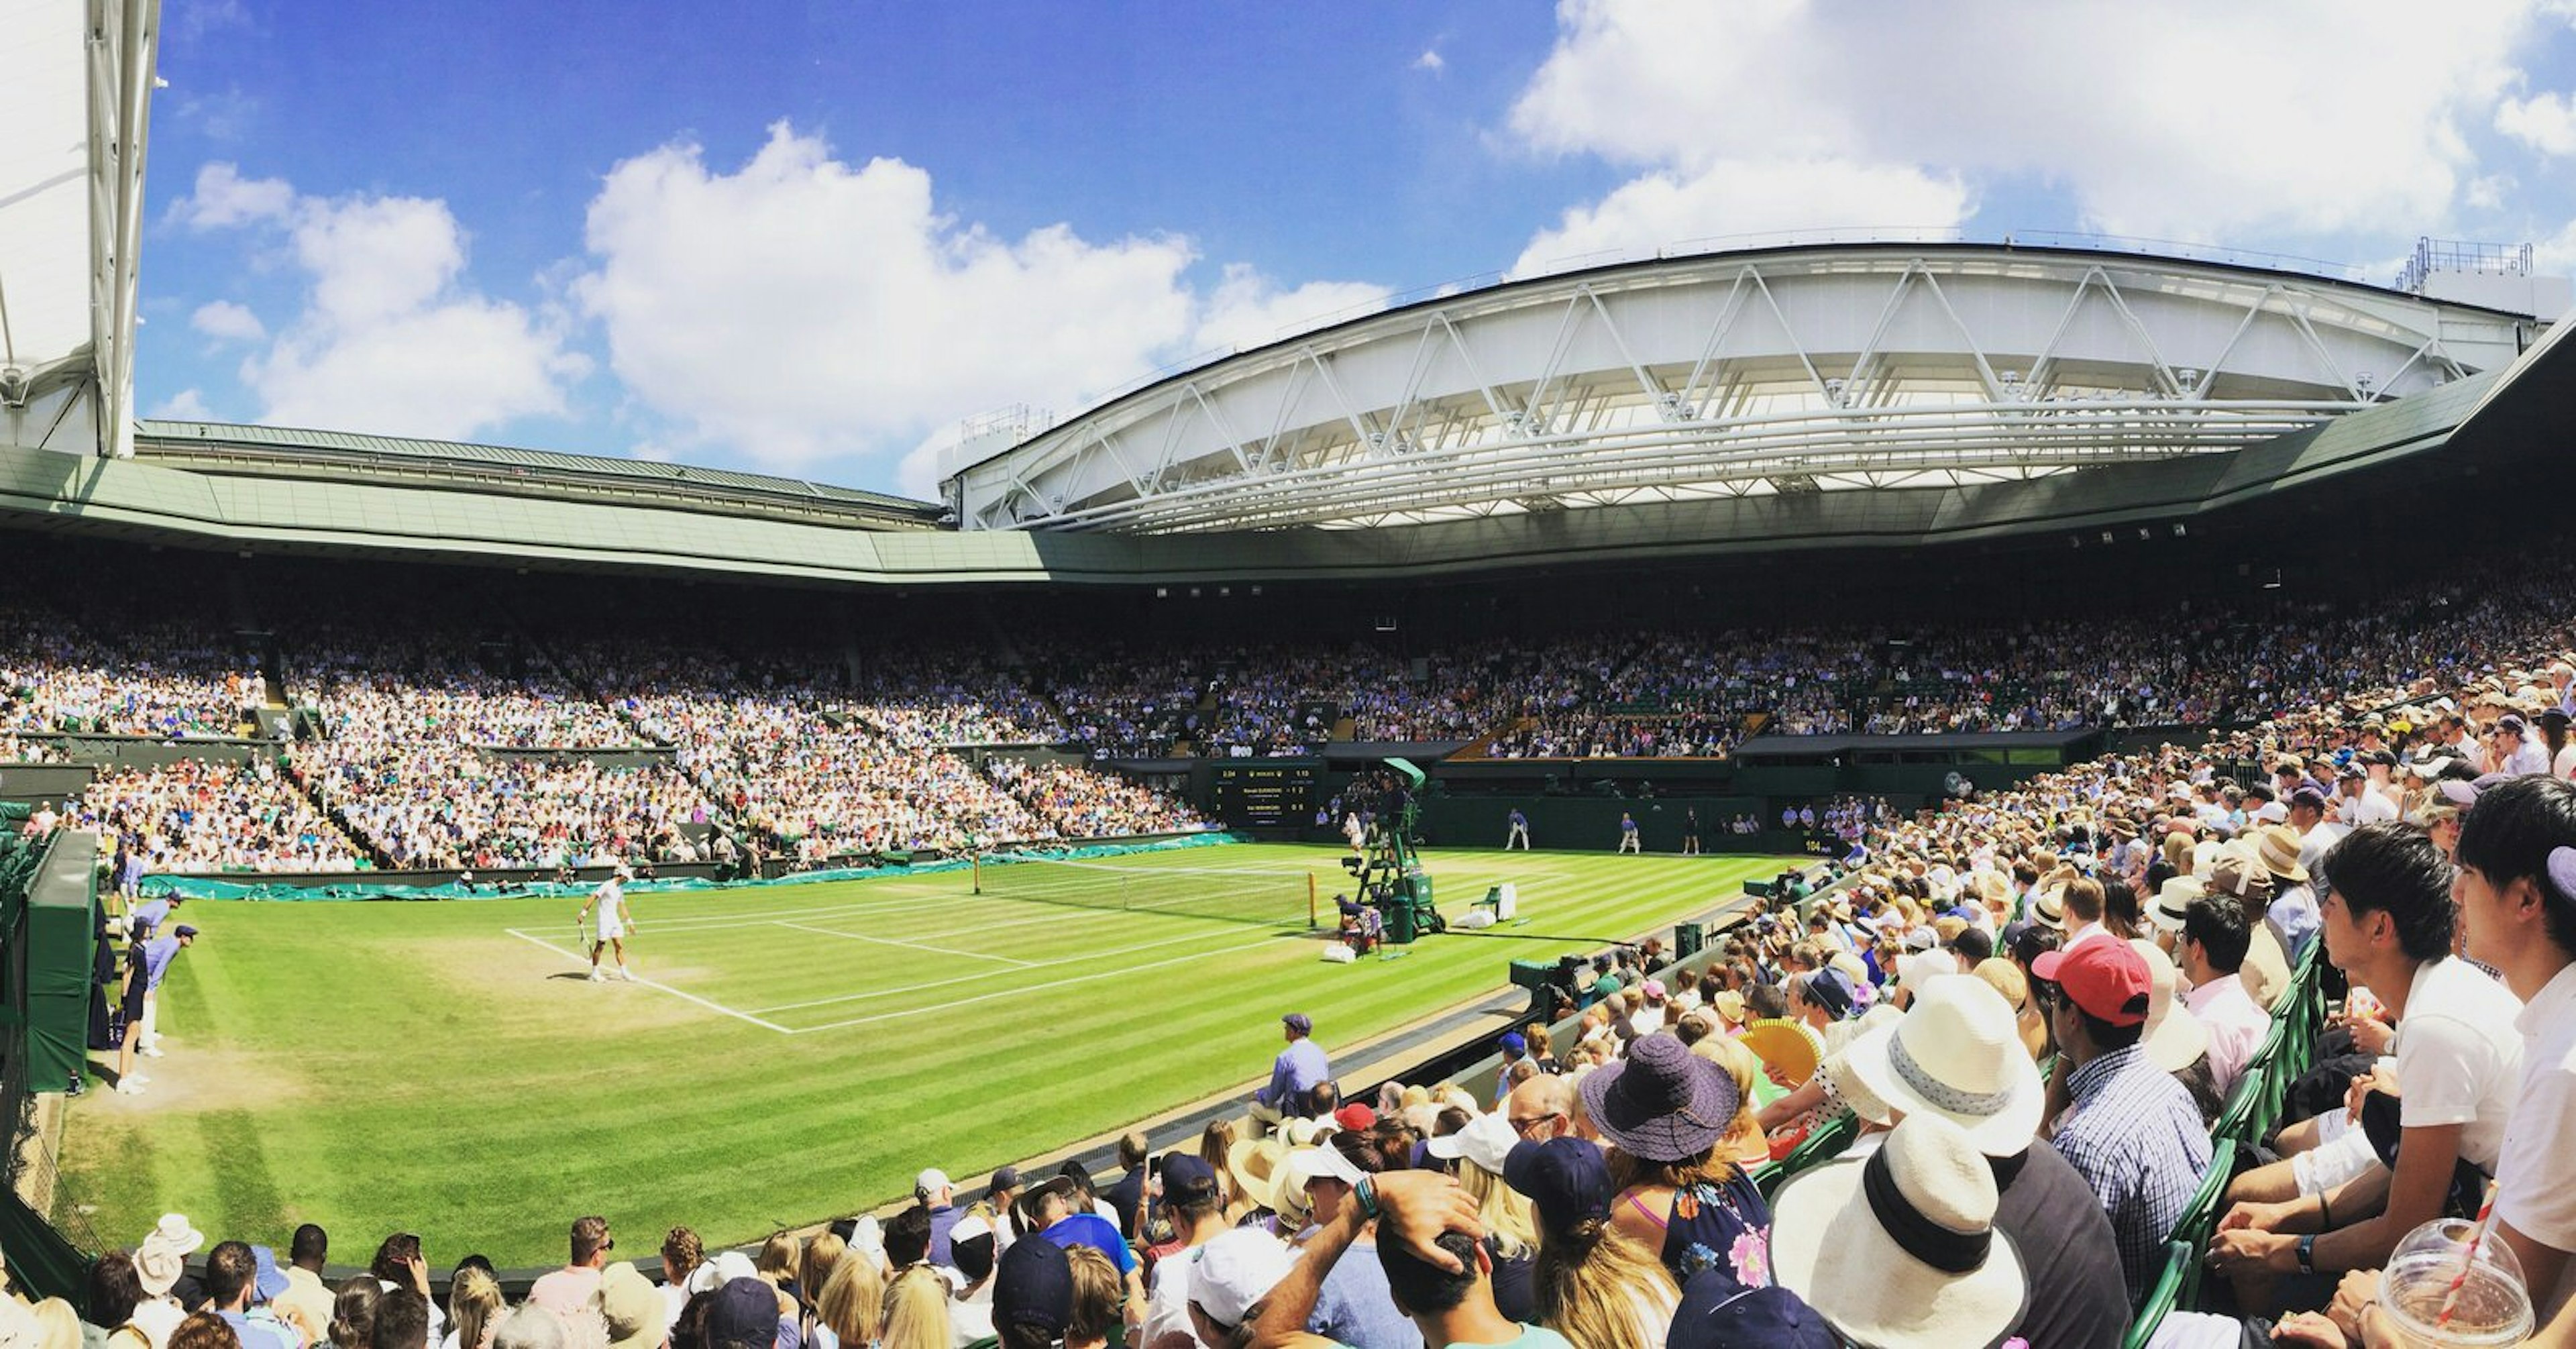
(1237, 1270)
(1485, 1141)
(931, 1179)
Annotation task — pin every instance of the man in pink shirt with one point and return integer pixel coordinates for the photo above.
(2210, 951)
(569, 1289)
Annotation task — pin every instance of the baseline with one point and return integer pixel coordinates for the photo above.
(578, 960)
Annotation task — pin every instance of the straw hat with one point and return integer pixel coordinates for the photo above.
(1957, 1054)
(1254, 1165)
(2173, 902)
(2277, 848)
(1662, 1102)
(1900, 1247)
(2174, 1038)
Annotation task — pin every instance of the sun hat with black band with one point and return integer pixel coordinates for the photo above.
(1662, 1103)
(1956, 1053)
(2173, 902)
(1900, 1247)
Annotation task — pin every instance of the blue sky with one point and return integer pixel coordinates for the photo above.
(810, 238)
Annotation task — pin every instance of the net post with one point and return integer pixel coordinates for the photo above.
(1311, 922)
(975, 869)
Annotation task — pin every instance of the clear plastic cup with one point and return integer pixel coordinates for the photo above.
(2493, 1307)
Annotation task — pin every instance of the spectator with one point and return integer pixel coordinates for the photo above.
(2210, 954)
(1443, 1287)
(1663, 1112)
(2130, 1130)
(1298, 1070)
(1902, 1247)
(1591, 1283)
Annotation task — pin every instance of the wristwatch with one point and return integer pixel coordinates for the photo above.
(2307, 1254)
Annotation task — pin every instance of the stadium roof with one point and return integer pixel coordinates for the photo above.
(268, 451)
(2501, 423)
(1789, 370)
(75, 91)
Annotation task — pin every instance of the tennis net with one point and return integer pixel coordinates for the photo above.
(1270, 898)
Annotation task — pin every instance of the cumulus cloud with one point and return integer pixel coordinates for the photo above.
(1248, 310)
(226, 321)
(2150, 128)
(389, 338)
(1734, 197)
(1431, 60)
(223, 199)
(2546, 122)
(799, 307)
(187, 405)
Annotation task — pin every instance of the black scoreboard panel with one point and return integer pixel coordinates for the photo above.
(1265, 793)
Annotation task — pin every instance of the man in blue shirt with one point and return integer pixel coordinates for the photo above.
(148, 965)
(231, 1279)
(1297, 1071)
(1519, 833)
(1627, 832)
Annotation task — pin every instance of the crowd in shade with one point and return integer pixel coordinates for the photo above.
(931, 696)
(1081, 803)
(144, 677)
(200, 815)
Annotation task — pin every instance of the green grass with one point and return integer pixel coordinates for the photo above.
(384, 1066)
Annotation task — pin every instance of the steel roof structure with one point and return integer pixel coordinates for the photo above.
(1732, 375)
(76, 86)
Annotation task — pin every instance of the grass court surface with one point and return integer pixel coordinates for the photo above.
(797, 1052)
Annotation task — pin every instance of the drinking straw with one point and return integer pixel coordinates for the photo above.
(2468, 1257)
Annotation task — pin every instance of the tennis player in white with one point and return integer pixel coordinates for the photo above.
(613, 923)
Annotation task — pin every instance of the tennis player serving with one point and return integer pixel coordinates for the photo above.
(613, 923)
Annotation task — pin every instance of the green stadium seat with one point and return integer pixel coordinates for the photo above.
(2201, 1214)
(2171, 1286)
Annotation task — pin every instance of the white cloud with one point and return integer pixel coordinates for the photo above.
(2305, 118)
(1247, 310)
(227, 322)
(2545, 121)
(389, 337)
(1430, 60)
(800, 308)
(1747, 197)
(224, 198)
(187, 405)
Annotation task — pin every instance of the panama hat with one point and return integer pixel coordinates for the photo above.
(1792, 1047)
(1254, 1165)
(1729, 1004)
(2173, 902)
(1900, 1247)
(1957, 1053)
(2174, 1038)
(2277, 847)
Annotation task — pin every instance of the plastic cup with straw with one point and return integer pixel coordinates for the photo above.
(2447, 1285)
(2468, 1260)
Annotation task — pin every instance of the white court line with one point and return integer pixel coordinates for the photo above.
(578, 959)
(908, 945)
(971, 978)
(1119, 973)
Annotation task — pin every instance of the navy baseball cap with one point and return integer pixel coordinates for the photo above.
(1717, 1312)
(1566, 1178)
(183, 930)
(1033, 1286)
(1187, 1173)
(745, 1312)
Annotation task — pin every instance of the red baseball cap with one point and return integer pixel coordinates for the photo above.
(1357, 1118)
(2107, 978)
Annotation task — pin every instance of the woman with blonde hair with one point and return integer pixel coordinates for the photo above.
(2006, 978)
(1215, 1142)
(1099, 1300)
(916, 1311)
(474, 1307)
(1591, 1283)
(1744, 1141)
(779, 1258)
(851, 1306)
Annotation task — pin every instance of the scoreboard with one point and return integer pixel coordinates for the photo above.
(1266, 793)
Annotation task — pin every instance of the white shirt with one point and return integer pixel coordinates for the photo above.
(1167, 1304)
(2459, 1056)
(2531, 756)
(2370, 807)
(2236, 1024)
(2536, 1175)
(2565, 766)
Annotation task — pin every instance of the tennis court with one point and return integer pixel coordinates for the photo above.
(799, 1051)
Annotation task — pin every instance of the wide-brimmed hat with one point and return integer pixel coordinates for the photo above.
(175, 1231)
(2173, 902)
(2277, 847)
(1729, 1004)
(158, 1265)
(1254, 1164)
(1661, 1103)
(636, 1315)
(2048, 909)
(1900, 1247)
(1957, 1053)
(2174, 1038)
